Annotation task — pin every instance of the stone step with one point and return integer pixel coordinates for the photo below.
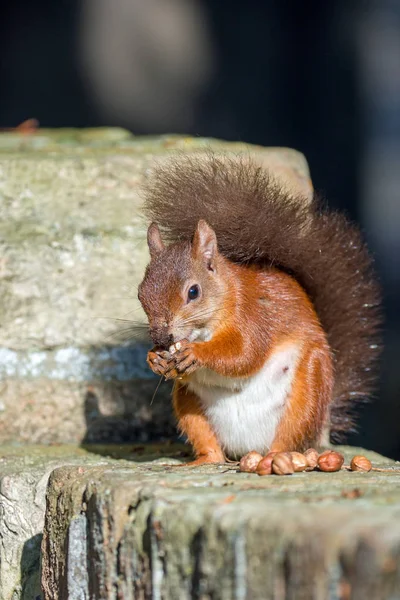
(140, 529)
(72, 252)
(24, 474)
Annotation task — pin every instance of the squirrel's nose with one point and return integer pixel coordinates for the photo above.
(161, 336)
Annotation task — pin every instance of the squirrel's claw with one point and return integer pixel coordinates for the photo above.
(187, 365)
(178, 360)
(171, 373)
(184, 358)
(157, 363)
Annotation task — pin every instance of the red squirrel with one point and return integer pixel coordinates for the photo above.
(263, 308)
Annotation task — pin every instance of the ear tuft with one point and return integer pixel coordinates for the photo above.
(205, 244)
(154, 240)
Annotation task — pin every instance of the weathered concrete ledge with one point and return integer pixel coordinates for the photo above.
(140, 529)
(121, 524)
(72, 252)
(24, 473)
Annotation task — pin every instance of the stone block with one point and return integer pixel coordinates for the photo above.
(146, 530)
(72, 251)
(24, 474)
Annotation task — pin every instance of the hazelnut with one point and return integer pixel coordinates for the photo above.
(312, 458)
(265, 465)
(249, 462)
(282, 464)
(299, 461)
(330, 461)
(360, 463)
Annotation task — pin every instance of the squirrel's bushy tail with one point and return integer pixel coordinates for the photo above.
(257, 220)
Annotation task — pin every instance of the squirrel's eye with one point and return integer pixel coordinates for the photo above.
(193, 292)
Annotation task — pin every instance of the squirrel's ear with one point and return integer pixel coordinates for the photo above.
(205, 244)
(154, 240)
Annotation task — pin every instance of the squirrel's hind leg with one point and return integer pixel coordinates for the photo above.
(304, 417)
(194, 424)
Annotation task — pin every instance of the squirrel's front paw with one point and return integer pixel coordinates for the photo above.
(184, 357)
(179, 360)
(160, 362)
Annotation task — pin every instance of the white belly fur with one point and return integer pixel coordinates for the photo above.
(244, 412)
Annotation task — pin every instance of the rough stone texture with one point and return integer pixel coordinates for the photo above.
(24, 473)
(145, 530)
(72, 251)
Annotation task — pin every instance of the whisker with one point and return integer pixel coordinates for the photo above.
(156, 390)
(120, 319)
(122, 297)
(132, 311)
(129, 288)
(199, 315)
(133, 328)
(125, 335)
(206, 311)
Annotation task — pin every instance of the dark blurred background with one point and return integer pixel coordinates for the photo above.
(321, 77)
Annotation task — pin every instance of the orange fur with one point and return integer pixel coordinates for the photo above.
(252, 311)
(256, 221)
(232, 354)
(193, 423)
(306, 411)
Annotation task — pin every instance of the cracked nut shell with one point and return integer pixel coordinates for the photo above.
(360, 463)
(312, 458)
(249, 462)
(330, 461)
(265, 465)
(282, 464)
(299, 461)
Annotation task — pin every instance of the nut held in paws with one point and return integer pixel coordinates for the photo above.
(330, 461)
(249, 462)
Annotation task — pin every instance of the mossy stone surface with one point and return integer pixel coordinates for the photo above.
(150, 530)
(127, 522)
(24, 473)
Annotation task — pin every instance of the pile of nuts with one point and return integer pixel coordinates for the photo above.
(286, 463)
